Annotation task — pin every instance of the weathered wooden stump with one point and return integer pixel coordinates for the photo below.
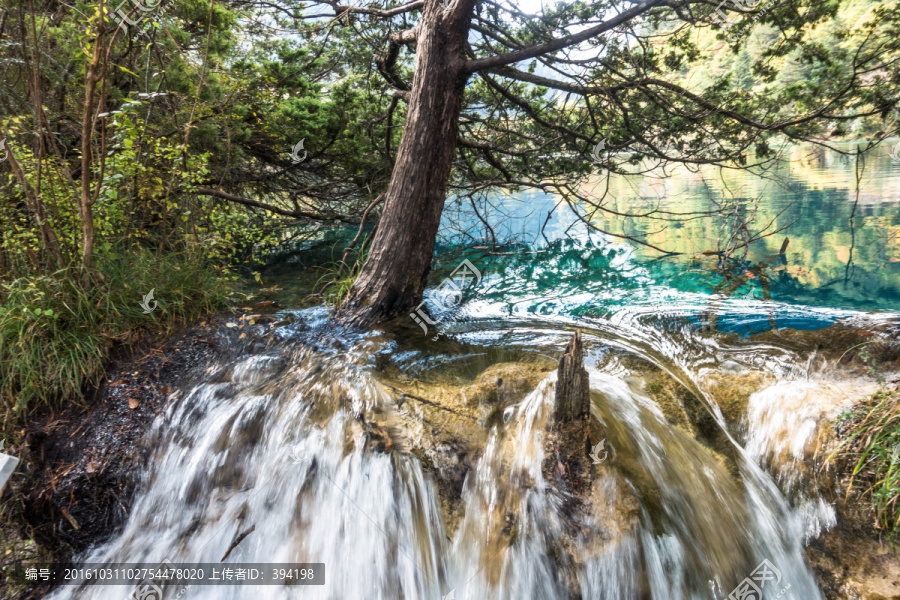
(569, 440)
(573, 389)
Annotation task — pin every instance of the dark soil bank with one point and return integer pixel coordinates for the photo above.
(80, 466)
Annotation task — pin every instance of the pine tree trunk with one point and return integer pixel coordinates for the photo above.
(395, 272)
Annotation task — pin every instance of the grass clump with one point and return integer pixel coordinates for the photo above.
(871, 445)
(56, 335)
(336, 282)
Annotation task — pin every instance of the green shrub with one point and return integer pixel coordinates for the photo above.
(872, 447)
(55, 337)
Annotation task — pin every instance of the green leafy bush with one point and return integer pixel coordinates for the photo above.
(55, 337)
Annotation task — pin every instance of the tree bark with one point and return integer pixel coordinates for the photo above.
(86, 203)
(396, 270)
(569, 442)
(573, 386)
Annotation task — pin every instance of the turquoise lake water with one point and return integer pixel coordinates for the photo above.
(842, 256)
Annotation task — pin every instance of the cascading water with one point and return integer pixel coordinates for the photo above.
(270, 446)
(303, 451)
(271, 458)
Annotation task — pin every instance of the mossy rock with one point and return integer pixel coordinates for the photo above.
(732, 391)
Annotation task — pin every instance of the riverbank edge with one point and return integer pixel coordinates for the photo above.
(79, 465)
(856, 559)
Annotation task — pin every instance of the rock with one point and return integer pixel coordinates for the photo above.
(854, 559)
(851, 561)
(446, 424)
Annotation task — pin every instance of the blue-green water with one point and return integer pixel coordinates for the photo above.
(842, 257)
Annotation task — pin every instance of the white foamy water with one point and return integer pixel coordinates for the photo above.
(787, 425)
(275, 445)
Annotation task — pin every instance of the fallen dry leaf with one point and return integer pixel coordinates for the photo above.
(165, 390)
(91, 467)
(70, 518)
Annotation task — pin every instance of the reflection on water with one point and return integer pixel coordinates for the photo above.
(831, 261)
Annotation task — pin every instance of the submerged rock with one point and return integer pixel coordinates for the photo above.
(446, 424)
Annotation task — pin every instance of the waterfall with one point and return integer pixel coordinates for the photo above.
(270, 458)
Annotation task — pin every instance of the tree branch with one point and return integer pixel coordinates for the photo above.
(297, 214)
(472, 66)
(340, 9)
(387, 62)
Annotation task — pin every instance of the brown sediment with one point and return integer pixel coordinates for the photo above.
(731, 392)
(683, 409)
(670, 396)
(853, 561)
(848, 345)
